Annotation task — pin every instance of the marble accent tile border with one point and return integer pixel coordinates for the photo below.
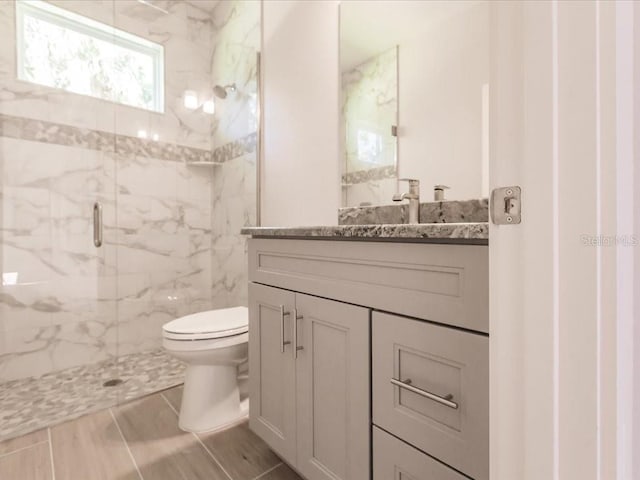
(22, 128)
(33, 403)
(372, 174)
(454, 211)
(474, 233)
(49, 132)
(235, 149)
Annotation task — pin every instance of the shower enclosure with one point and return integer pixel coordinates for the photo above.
(124, 184)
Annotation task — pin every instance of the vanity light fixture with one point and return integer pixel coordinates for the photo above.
(209, 107)
(9, 278)
(190, 100)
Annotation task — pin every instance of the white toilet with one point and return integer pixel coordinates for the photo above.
(212, 344)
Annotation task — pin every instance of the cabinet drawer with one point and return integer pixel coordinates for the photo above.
(441, 283)
(444, 409)
(395, 460)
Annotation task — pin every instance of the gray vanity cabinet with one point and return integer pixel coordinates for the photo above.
(401, 326)
(310, 402)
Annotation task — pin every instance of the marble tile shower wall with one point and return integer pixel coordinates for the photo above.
(73, 304)
(236, 33)
(163, 247)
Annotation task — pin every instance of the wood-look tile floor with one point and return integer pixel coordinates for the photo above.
(139, 441)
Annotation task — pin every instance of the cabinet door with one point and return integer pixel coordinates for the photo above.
(332, 374)
(272, 414)
(395, 460)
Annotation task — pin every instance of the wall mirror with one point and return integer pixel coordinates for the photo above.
(414, 98)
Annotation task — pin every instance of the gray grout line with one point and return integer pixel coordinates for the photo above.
(212, 455)
(199, 441)
(6, 454)
(53, 468)
(268, 471)
(169, 403)
(124, 440)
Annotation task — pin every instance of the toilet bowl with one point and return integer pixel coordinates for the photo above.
(213, 344)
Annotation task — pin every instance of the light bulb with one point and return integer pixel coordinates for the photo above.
(209, 107)
(190, 100)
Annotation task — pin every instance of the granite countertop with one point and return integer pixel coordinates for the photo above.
(463, 233)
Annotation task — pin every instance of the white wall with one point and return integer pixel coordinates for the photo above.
(300, 174)
(441, 75)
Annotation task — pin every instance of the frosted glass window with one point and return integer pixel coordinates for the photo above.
(61, 49)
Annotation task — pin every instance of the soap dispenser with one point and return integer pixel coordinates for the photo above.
(438, 192)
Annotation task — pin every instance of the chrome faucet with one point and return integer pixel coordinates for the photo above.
(414, 198)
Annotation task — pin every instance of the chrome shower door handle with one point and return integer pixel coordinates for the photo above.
(97, 224)
(282, 315)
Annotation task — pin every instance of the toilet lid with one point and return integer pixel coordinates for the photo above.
(221, 323)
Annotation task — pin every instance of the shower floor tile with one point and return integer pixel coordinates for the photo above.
(31, 404)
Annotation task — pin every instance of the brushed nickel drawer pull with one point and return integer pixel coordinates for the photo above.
(282, 342)
(446, 400)
(296, 347)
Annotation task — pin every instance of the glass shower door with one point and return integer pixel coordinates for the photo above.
(58, 316)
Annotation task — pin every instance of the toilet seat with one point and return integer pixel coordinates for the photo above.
(209, 325)
(186, 345)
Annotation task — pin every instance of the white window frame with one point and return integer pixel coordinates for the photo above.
(46, 12)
